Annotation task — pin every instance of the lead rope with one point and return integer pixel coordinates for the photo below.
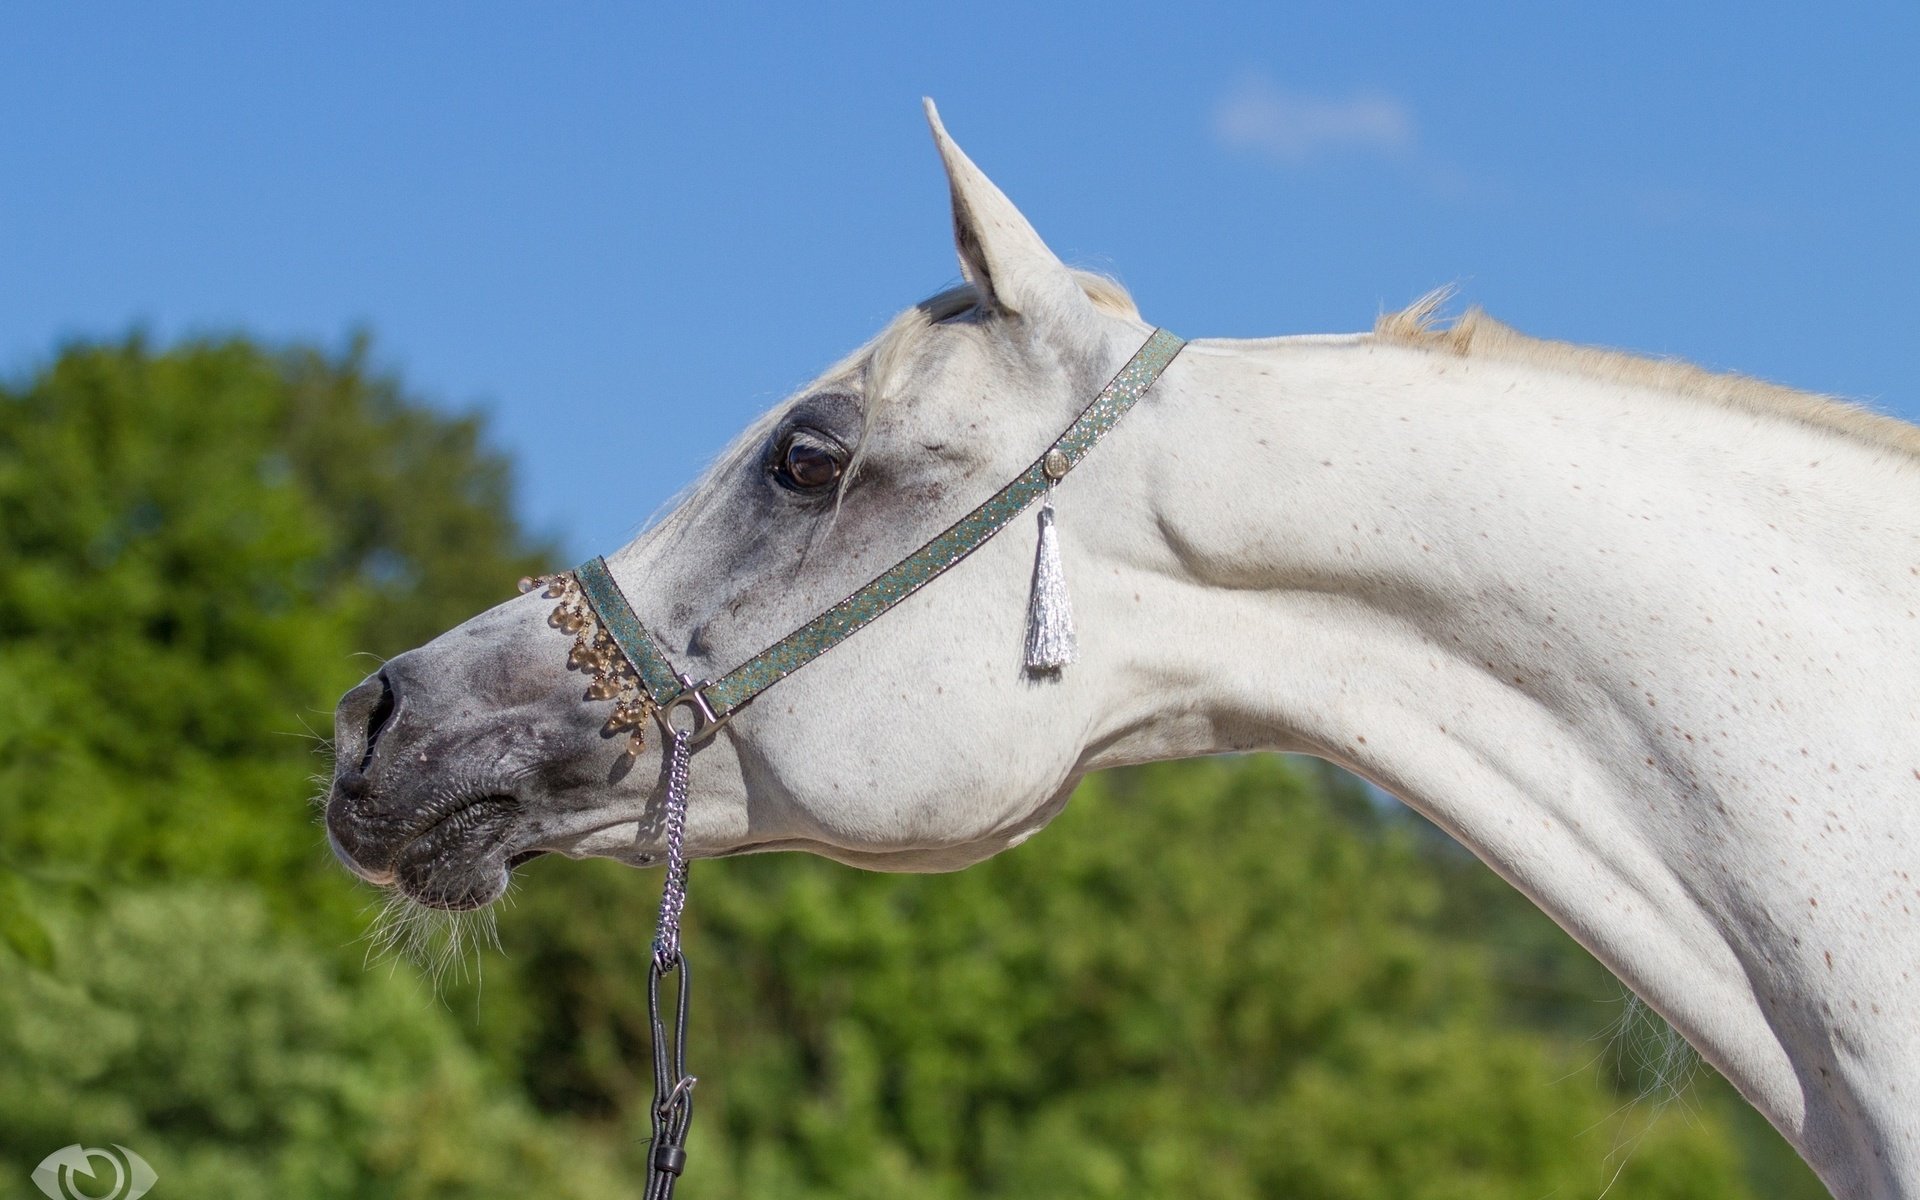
(672, 1086)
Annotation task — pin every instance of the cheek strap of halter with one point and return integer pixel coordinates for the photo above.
(643, 666)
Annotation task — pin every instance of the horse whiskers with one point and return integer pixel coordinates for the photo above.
(437, 942)
(322, 788)
(1664, 1065)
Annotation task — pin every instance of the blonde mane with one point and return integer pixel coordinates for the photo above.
(1477, 335)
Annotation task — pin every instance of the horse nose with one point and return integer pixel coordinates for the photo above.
(364, 713)
(360, 720)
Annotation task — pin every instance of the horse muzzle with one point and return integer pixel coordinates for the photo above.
(396, 817)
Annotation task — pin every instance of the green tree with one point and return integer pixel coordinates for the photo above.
(237, 1061)
(197, 543)
(1208, 979)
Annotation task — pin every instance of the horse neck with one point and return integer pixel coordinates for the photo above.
(1653, 659)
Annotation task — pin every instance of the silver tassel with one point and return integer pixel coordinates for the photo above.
(1050, 638)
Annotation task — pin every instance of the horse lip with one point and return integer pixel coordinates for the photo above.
(379, 878)
(380, 860)
(490, 799)
(442, 872)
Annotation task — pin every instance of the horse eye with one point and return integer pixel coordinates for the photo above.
(809, 466)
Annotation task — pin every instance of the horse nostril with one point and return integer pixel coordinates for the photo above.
(378, 718)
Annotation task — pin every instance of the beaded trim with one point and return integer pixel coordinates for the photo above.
(596, 655)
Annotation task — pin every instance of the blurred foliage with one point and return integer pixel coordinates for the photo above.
(240, 1063)
(1234, 978)
(196, 545)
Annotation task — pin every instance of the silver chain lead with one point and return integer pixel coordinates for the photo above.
(672, 1086)
(673, 895)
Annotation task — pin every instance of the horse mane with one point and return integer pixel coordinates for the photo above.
(1477, 335)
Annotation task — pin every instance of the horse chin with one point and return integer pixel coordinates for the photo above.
(458, 888)
(460, 862)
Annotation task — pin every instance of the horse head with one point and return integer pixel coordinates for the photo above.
(920, 743)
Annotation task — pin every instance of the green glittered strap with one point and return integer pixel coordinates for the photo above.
(623, 626)
(961, 538)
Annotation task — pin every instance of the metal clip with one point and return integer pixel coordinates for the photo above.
(693, 697)
(672, 1086)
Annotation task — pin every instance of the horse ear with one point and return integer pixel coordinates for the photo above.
(1000, 254)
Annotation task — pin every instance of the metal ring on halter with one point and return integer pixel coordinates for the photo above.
(692, 696)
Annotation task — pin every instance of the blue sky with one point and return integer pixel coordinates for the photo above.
(625, 229)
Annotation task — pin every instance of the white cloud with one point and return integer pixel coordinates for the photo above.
(1294, 129)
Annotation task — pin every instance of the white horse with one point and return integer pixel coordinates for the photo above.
(1645, 638)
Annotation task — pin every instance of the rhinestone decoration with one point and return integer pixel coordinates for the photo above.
(594, 654)
(607, 602)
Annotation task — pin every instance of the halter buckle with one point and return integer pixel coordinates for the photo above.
(692, 696)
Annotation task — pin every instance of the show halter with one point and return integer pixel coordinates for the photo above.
(629, 667)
